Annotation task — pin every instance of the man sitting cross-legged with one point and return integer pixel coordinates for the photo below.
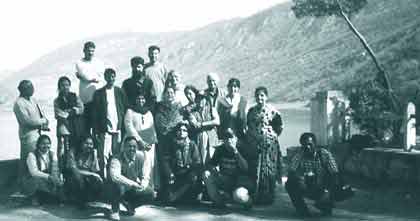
(231, 182)
(129, 179)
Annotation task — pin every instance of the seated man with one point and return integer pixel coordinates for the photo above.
(129, 179)
(232, 180)
(313, 173)
(42, 180)
(183, 166)
(83, 181)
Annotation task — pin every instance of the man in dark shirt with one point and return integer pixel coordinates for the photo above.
(139, 83)
(313, 173)
(232, 180)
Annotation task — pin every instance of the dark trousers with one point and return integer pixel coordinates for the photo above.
(118, 194)
(298, 190)
(87, 115)
(186, 187)
(83, 188)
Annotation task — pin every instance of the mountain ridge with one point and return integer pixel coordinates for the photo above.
(293, 57)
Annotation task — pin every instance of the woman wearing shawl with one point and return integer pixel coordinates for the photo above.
(167, 116)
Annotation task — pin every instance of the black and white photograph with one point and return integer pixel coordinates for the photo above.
(210, 110)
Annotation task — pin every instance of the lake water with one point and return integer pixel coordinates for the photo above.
(296, 121)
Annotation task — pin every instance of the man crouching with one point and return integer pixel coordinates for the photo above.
(231, 182)
(313, 174)
(129, 179)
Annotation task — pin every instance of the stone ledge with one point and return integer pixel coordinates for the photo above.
(383, 165)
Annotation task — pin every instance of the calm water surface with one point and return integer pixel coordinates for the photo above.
(296, 122)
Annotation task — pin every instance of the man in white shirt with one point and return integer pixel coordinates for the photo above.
(89, 70)
(31, 120)
(156, 71)
(109, 107)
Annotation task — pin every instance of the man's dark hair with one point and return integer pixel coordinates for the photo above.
(227, 133)
(130, 138)
(136, 61)
(89, 44)
(153, 47)
(234, 82)
(22, 85)
(61, 79)
(305, 136)
(42, 137)
(262, 89)
(180, 124)
(109, 71)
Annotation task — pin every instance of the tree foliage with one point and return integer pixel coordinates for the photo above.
(372, 111)
(319, 8)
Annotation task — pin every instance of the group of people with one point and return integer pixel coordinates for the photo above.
(155, 139)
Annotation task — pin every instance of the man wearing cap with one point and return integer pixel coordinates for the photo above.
(231, 182)
(139, 83)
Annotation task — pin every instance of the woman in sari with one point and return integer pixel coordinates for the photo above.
(68, 110)
(264, 127)
(204, 121)
(167, 116)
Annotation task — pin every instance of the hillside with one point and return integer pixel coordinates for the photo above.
(292, 57)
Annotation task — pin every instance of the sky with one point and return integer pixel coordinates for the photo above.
(31, 29)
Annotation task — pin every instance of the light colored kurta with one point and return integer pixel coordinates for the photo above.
(37, 179)
(29, 118)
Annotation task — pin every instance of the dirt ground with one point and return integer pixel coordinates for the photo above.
(371, 202)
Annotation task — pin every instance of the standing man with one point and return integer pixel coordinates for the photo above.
(156, 71)
(109, 106)
(138, 83)
(89, 70)
(213, 92)
(30, 119)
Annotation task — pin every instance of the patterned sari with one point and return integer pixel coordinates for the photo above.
(264, 126)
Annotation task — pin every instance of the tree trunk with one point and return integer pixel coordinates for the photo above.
(387, 83)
